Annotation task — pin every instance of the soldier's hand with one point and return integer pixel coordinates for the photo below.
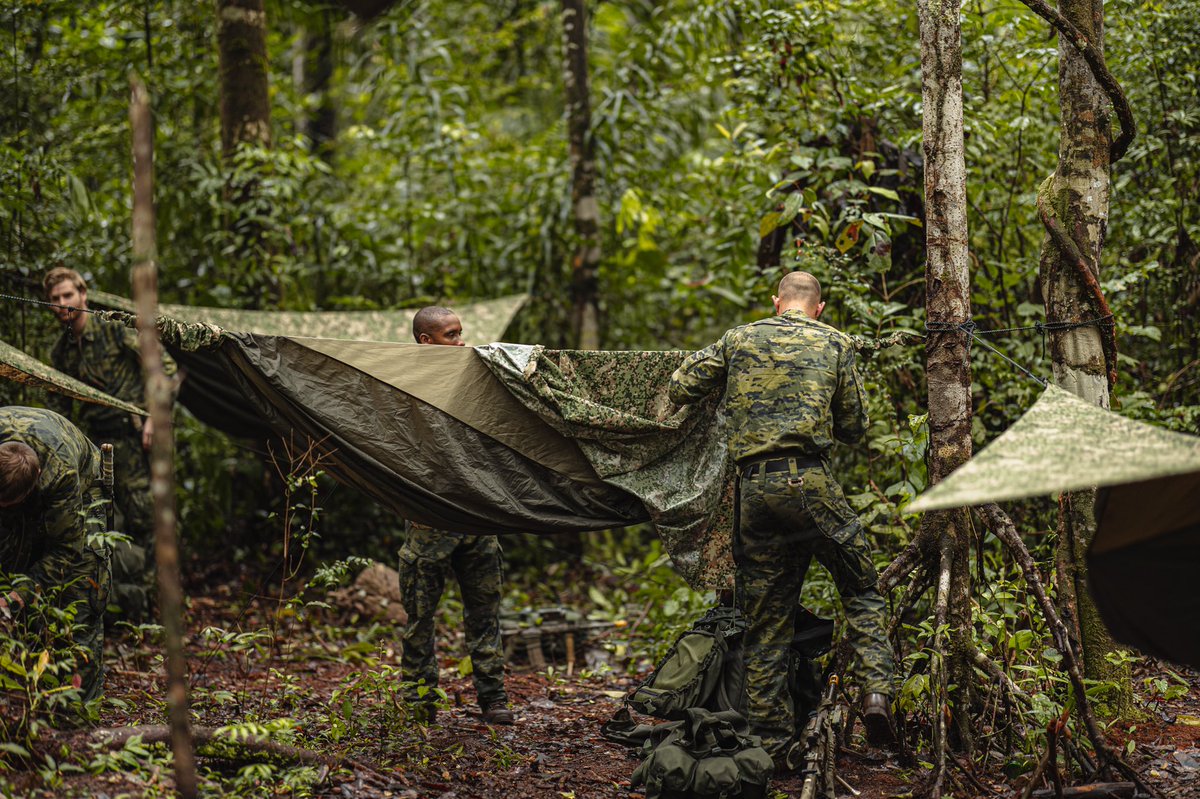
(147, 432)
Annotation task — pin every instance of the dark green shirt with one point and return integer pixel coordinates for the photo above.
(45, 537)
(790, 386)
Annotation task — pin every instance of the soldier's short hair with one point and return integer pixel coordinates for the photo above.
(427, 318)
(19, 470)
(800, 286)
(60, 273)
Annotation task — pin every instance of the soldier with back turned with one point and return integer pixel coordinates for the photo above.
(791, 390)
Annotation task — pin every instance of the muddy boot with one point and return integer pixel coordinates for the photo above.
(877, 719)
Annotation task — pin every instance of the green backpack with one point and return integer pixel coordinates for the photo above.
(702, 669)
(705, 756)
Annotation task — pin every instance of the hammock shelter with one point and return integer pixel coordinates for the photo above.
(499, 438)
(1143, 561)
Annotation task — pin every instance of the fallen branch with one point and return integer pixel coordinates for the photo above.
(1097, 790)
(903, 564)
(993, 670)
(209, 738)
(999, 523)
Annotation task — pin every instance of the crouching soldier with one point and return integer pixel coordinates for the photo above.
(49, 497)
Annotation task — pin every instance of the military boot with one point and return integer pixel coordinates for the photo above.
(877, 719)
(498, 713)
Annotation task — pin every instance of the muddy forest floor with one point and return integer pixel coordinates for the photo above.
(333, 681)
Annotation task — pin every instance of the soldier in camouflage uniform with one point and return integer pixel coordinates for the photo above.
(428, 556)
(105, 354)
(791, 389)
(49, 497)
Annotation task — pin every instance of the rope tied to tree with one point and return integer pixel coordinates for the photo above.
(969, 328)
(123, 317)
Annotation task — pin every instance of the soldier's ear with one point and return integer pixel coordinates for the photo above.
(775, 302)
(820, 310)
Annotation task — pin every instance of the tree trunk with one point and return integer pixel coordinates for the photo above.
(158, 401)
(320, 122)
(242, 55)
(948, 305)
(1077, 198)
(585, 263)
(245, 121)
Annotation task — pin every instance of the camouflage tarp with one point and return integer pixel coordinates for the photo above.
(21, 367)
(1145, 555)
(1064, 444)
(475, 440)
(614, 406)
(482, 321)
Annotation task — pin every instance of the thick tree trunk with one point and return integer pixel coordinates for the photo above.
(242, 55)
(245, 121)
(948, 305)
(1076, 197)
(585, 263)
(158, 401)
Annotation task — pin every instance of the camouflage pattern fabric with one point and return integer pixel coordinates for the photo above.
(45, 537)
(1064, 443)
(425, 560)
(614, 405)
(106, 356)
(787, 519)
(21, 367)
(790, 386)
(790, 390)
(482, 321)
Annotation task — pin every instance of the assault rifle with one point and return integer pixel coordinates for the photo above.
(816, 750)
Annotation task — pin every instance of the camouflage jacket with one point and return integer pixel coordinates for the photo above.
(790, 386)
(106, 357)
(45, 537)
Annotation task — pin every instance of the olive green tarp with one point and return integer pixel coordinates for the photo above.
(207, 391)
(497, 438)
(1143, 561)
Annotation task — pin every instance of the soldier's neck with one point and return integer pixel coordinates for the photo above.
(79, 324)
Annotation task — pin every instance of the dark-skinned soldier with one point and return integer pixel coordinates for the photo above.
(104, 354)
(427, 557)
(49, 497)
(791, 389)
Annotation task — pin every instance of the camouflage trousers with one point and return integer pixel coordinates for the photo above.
(425, 560)
(133, 562)
(787, 519)
(89, 599)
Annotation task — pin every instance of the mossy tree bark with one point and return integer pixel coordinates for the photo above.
(948, 305)
(1076, 199)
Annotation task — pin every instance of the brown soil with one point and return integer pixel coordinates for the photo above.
(554, 751)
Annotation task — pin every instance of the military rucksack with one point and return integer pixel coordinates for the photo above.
(702, 669)
(704, 756)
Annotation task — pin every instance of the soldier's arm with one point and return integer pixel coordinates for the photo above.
(64, 531)
(700, 373)
(849, 402)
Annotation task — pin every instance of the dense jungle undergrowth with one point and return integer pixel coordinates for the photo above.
(295, 691)
(426, 156)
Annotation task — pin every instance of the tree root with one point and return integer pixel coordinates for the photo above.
(909, 559)
(999, 523)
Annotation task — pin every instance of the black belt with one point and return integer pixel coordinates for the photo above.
(779, 463)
